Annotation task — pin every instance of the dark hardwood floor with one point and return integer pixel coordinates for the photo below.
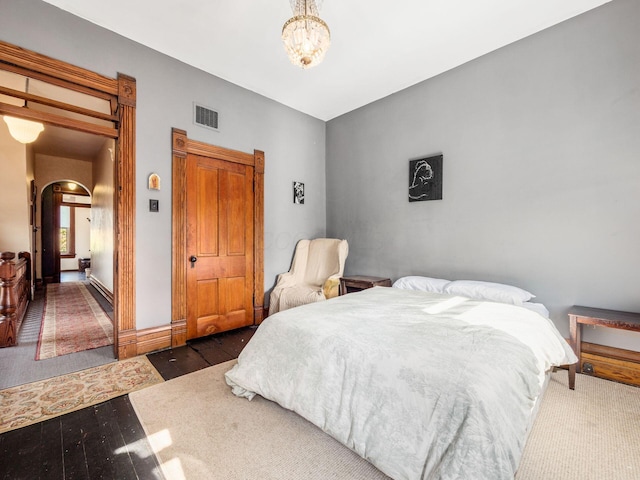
(106, 441)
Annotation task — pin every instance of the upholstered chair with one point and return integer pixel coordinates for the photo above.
(314, 274)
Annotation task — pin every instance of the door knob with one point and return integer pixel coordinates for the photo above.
(193, 259)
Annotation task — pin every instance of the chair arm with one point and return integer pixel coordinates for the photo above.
(285, 279)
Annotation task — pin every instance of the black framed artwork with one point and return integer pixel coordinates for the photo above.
(298, 193)
(425, 179)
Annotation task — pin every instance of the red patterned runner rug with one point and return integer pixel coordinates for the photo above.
(72, 321)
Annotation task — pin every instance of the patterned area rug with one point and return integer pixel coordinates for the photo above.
(72, 321)
(38, 401)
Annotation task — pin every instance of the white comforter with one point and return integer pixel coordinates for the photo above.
(424, 386)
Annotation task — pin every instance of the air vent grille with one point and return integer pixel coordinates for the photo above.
(205, 117)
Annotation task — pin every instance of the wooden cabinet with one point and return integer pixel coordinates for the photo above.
(355, 283)
(15, 293)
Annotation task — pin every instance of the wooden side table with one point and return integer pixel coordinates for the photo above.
(595, 316)
(355, 283)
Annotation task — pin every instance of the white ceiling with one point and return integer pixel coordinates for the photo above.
(378, 47)
(62, 142)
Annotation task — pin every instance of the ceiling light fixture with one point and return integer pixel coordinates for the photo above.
(24, 131)
(306, 36)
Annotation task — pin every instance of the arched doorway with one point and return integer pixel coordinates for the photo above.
(65, 233)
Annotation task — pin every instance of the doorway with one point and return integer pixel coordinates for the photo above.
(228, 291)
(62, 158)
(65, 230)
(117, 123)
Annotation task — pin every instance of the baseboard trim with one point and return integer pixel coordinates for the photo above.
(179, 332)
(611, 363)
(152, 339)
(127, 344)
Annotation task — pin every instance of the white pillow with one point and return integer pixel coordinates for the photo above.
(424, 284)
(494, 292)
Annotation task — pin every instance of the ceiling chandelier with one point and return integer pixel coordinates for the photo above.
(306, 36)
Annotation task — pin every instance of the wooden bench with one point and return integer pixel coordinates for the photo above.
(579, 316)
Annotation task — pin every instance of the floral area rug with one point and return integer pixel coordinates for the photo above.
(72, 321)
(38, 401)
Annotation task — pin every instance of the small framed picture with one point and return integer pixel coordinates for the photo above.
(425, 179)
(154, 181)
(298, 193)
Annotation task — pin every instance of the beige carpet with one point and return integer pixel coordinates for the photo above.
(38, 401)
(590, 433)
(199, 430)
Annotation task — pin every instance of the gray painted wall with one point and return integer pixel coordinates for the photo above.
(541, 144)
(294, 143)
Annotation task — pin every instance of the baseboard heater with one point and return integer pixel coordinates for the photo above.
(104, 291)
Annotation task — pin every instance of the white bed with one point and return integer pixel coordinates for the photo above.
(423, 385)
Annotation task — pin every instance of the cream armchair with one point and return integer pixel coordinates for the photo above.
(314, 275)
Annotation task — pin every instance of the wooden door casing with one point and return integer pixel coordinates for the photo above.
(122, 93)
(252, 166)
(220, 242)
(47, 229)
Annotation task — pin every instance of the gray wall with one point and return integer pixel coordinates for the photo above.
(541, 144)
(294, 143)
(541, 172)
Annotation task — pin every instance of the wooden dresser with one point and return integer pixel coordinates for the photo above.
(15, 293)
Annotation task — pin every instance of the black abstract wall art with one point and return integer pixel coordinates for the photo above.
(425, 179)
(298, 193)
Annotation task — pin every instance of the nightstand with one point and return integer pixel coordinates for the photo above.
(355, 283)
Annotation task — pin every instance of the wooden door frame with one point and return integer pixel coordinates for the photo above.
(183, 146)
(121, 93)
(57, 201)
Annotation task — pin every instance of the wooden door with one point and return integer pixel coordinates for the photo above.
(220, 245)
(50, 231)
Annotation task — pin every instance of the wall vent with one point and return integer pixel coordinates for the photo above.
(205, 117)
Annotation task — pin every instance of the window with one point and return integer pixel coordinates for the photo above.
(67, 231)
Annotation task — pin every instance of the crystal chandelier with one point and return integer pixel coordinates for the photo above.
(306, 36)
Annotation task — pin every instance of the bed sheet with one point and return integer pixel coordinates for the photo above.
(422, 385)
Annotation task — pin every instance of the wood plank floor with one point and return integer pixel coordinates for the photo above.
(106, 441)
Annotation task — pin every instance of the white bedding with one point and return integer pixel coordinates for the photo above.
(422, 385)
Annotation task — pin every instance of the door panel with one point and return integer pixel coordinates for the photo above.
(236, 206)
(207, 202)
(220, 282)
